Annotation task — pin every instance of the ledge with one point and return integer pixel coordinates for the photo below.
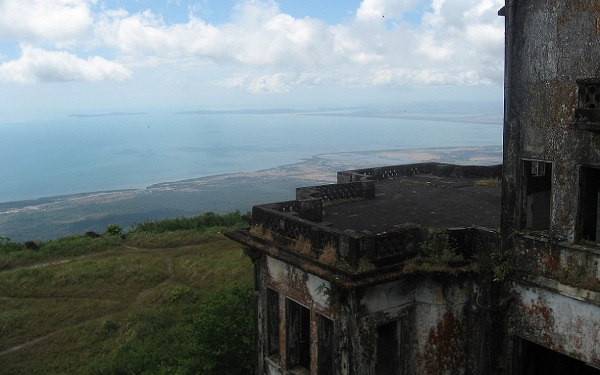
(579, 294)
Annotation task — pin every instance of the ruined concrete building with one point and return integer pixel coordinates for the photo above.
(431, 268)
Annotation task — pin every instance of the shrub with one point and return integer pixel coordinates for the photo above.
(114, 230)
(329, 254)
(225, 332)
(212, 337)
(440, 246)
(199, 223)
(6, 245)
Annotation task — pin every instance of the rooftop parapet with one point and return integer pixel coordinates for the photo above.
(377, 217)
(435, 169)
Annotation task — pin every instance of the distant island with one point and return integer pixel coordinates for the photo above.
(449, 112)
(108, 114)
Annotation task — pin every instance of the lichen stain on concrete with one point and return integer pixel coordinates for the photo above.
(541, 317)
(575, 8)
(444, 350)
(551, 262)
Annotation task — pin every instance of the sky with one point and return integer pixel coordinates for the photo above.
(129, 55)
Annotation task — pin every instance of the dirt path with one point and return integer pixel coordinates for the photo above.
(25, 344)
(168, 259)
(144, 293)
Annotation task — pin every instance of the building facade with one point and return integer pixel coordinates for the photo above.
(378, 274)
(552, 182)
(430, 268)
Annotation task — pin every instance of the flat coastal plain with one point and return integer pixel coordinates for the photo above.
(53, 217)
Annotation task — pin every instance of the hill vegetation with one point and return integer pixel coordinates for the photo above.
(168, 297)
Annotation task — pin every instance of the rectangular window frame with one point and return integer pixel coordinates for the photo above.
(389, 344)
(272, 323)
(536, 191)
(588, 220)
(325, 345)
(298, 335)
(587, 111)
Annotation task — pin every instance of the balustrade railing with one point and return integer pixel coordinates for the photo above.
(300, 221)
(350, 246)
(337, 192)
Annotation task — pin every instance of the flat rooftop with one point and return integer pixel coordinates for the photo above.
(381, 215)
(423, 199)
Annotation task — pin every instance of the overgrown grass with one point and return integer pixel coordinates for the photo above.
(177, 302)
(198, 223)
(17, 255)
(151, 234)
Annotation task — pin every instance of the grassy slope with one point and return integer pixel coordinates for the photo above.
(127, 309)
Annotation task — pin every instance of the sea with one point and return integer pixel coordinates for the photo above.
(76, 153)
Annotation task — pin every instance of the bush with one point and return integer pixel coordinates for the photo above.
(199, 223)
(440, 246)
(211, 337)
(7, 246)
(114, 230)
(225, 332)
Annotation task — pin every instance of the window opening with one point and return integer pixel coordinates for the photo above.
(587, 113)
(272, 322)
(325, 346)
(388, 349)
(298, 335)
(589, 185)
(531, 359)
(537, 187)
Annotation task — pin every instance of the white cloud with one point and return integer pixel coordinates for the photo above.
(275, 83)
(145, 34)
(370, 10)
(260, 35)
(47, 20)
(457, 42)
(38, 65)
(432, 48)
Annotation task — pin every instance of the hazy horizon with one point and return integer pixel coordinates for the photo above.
(102, 56)
(86, 152)
(73, 72)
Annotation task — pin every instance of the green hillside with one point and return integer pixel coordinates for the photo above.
(171, 297)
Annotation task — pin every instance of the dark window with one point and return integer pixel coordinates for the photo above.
(272, 322)
(537, 188)
(298, 335)
(532, 359)
(326, 343)
(587, 113)
(589, 193)
(388, 349)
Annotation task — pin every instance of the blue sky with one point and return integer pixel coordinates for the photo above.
(106, 55)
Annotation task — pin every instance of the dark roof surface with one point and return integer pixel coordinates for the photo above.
(422, 199)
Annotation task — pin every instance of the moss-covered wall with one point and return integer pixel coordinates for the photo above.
(550, 45)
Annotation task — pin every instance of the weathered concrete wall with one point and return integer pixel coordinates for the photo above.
(566, 320)
(571, 264)
(550, 44)
(443, 327)
(445, 324)
(440, 323)
(307, 290)
(378, 305)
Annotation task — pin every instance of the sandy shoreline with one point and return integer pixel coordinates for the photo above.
(320, 168)
(53, 217)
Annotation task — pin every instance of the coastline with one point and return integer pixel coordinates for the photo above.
(52, 217)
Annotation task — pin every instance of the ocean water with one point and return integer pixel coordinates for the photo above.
(65, 154)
